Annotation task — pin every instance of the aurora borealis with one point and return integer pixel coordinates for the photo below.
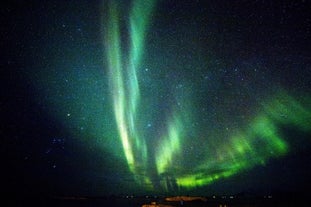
(239, 152)
(126, 96)
(156, 97)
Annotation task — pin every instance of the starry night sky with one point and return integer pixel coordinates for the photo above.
(166, 97)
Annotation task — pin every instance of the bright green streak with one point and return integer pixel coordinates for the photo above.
(169, 147)
(113, 48)
(139, 18)
(124, 78)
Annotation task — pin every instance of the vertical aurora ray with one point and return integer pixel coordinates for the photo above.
(123, 76)
(113, 49)
(139, 18)
(170, 146)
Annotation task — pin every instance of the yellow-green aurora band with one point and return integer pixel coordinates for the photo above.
(124, 78)
(240, 152)
(243, 151)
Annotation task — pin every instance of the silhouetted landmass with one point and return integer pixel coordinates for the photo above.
(279, 199)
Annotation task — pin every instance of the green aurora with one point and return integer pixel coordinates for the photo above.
(259, 140)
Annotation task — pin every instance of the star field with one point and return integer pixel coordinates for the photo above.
(164, 97)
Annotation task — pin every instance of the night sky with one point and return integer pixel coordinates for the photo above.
(155, 97)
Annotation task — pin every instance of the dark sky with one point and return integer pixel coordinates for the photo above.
(166, 97)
